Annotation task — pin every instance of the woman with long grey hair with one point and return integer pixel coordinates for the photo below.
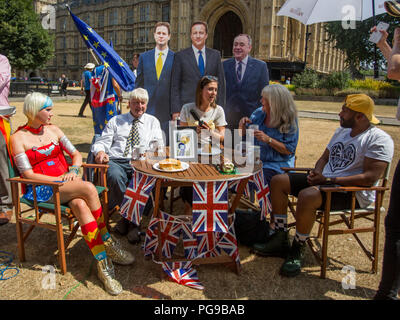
(278, 130)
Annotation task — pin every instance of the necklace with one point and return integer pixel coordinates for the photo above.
(33, 130)
(36, 131)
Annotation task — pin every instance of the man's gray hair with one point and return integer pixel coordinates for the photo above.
(139, 94)
(245, 35)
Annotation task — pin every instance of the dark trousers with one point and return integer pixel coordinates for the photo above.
(118, 176)
(85, 103)
(390, 281)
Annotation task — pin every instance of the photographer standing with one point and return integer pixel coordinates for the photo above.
(390, 282)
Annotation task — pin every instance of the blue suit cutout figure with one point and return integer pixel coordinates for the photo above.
(243, 97)
(159, 90)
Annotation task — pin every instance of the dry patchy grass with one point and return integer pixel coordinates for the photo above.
(259, 278)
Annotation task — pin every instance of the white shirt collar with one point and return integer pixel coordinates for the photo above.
(165, 52)
(131, 117)
(244, 61)
(196, 51)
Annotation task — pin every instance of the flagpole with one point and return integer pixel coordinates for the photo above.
(93, 55)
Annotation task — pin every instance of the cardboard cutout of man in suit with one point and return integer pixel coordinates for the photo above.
(189, 66)
(154, 75)
(245, 78)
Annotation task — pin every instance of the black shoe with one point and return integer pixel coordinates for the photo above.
(294, 261)
(277, 245)
(122, 226)
(133, 235)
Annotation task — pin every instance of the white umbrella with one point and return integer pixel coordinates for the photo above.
(314, 11)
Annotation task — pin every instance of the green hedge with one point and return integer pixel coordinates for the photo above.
(339, 84)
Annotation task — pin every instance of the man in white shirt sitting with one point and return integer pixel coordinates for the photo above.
(137, 127)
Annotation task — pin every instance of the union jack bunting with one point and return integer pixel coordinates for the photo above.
(177, 265)
(207, 244)
(262, 194)
(189, 241)
(233, 185)
(170, 232)
(228, 243)
(136, 196)
(151, 239)
(187, 277)
(210, 206)
(170, 229)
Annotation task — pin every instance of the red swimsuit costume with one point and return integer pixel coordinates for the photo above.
(48, 160)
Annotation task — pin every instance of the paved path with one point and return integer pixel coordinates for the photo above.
(335, 116)
(302, 114)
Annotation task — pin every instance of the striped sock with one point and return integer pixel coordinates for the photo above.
(301, 238)
(280, 222)
(99, 216)
(91, 234)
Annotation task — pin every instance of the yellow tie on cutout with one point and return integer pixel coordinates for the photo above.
(159, 65)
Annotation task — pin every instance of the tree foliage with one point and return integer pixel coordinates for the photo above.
(22, 38)
(307, 79)
(354, 42)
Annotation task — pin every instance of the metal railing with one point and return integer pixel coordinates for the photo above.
(24, 87)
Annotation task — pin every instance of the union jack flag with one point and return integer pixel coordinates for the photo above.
(177, 265)
(187, 277)
(262, 194)
(151, 239)
(170, 233)
(207, 244)
(136, 196)
(210, 206)
(228, 243)
(189, 241)
(103, 99)
(250, 186)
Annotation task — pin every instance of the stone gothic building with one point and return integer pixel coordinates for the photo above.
(280, 41)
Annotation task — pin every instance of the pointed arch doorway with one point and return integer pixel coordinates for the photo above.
(227, 27)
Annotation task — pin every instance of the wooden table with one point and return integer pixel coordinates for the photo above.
(197, 172)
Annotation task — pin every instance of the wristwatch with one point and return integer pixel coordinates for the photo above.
(269, 140)
(329, 181)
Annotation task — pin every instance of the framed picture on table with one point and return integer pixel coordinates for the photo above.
(183, 145)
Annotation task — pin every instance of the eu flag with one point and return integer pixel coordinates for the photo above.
(117, 67)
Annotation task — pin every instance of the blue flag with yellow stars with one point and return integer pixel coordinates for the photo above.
(117, 67)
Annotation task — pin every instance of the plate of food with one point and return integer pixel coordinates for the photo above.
(171, 165)
(208, 150)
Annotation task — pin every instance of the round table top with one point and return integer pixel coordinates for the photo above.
(197, 171)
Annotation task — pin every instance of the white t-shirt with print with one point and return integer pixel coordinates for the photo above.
(346, 155)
